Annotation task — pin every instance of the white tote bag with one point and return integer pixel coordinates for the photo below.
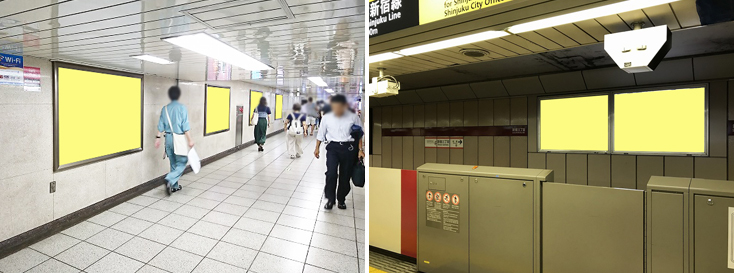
(254, 119)
(180, 145)
(194, 161)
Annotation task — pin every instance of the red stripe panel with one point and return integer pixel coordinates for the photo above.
(409, 211)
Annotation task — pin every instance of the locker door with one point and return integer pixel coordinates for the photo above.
(712, 253)
(443, 229)
(501, 224)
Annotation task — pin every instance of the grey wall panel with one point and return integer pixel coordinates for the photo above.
(600, 170)
(502, 151)
(648, 166)
(592, 229)
(408, 153)
(443, 114)
(430, 114)
(386, 117)
(666, 228)
(419, 116)
(409, 97)
(710, 168)
(730, 95)
(485, 151)
(668, 71)
(456, 156)
(536, 160)
(731, 158)
(576, 169)
(397, 152)
(407, 116)
(532, 124)
(607, 78)
(386, 152)
(470, 113)
(485, 113)
(714, 67)
(717, 118)
(418, 151)
(376, 161)
(470, 150)
(376, 131)
(430, 155)
(502, 112)
(563, 82)
(624, 171)
(374, 102)
(519, 151)
(433, 94)
(519, 111)
(490, 89)
(557, 163)
(458, 92)
(456, 114)
(679, 166)
(523, 86)
(397, 117)
(443, 156)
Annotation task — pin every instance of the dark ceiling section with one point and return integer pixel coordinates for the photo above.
(715, 11)
(711, 39)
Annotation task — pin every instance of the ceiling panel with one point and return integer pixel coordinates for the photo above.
(323, 38)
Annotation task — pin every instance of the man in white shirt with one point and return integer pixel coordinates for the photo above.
(341, 152)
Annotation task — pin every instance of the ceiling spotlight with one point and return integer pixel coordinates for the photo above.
(318, 81)
(152, 59)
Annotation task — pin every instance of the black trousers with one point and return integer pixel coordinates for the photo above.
(340, 160)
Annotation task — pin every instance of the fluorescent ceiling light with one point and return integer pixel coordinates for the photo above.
(209, 46)
(384, 57)
(152, 59)
(468, 39)
(587, 14)
(317, 80)
(329, 90)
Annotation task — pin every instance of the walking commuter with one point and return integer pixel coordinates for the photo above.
(312, 113)
(294, 126)
(263, 123)
(174, 119)
(342, 150)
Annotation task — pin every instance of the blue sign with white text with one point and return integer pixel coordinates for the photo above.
(7, 60)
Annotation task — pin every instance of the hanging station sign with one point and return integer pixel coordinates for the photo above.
(392, 15)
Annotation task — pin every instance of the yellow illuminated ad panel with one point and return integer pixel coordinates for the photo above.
(666, 121)
(98, 115)
(254, 101)
(217, 110)
(575, 124)
(278, 106)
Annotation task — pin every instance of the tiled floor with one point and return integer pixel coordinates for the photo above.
(384, 264)
(249, 212)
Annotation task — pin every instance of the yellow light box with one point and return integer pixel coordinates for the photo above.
(665, 121)
(278, 106)
(98, 114)
(216, 110)
(575, 124)
(254, 101)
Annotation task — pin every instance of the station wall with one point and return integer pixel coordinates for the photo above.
(515, 102)
(26, 149)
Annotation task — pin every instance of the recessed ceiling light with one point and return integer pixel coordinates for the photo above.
(468, 39)
(383, 57)
(317, 80)
(209, 46)
(329, 90)
(152, 59)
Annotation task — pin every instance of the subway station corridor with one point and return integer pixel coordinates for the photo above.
(247, 212)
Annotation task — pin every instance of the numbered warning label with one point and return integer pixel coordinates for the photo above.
(443, 211)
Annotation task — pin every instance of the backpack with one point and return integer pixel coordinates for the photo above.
(295, 127)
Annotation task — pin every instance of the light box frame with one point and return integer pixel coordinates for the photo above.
(610, 119)
(55, 75)
(229, 108)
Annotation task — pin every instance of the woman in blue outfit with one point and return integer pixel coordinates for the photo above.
(180, 123)
(263, 123)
